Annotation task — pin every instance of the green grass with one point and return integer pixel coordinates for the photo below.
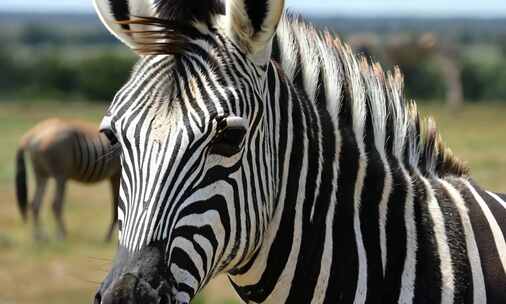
(476, 134)
(69, 272)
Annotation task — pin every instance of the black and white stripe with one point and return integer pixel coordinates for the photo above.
(94, 158)
(338, 194)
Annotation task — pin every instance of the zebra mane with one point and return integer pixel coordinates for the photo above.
(318, 63)
(321, 65)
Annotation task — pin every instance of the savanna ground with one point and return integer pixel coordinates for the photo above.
(70, 271)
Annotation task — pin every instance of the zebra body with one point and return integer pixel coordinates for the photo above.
(65, 150)
(307, 178)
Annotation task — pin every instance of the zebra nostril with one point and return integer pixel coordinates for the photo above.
(145, 293)
(164, 299)
(163, 292)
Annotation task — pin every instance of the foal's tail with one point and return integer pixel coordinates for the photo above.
(21, 184)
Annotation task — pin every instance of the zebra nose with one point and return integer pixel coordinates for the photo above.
(129, 289)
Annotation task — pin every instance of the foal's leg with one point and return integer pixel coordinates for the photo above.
(58, 208)
(40, 190)
(115, 194)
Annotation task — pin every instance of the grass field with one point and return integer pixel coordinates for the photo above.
(69, 272)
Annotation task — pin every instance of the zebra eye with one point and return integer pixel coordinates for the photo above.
(230, 137)
(110, 136)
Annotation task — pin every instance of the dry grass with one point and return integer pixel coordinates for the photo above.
(57, 272)
(69, 272)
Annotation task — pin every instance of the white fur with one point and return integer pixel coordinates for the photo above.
(377, 104)
(144, 8)
(398, 110)
(288, 48)
(311, 60)
(333, 77)
(357, 88)
(239, 28)
(361, 291)
(497, 198)
(443, 249)
(409, 272)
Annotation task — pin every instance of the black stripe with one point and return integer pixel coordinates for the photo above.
(313, 232)
(85, 156)
(428, 271)
(494, 277)
(369, 213)
(93, 165)
(185, 10)
(280, 249)
(457, 244)
(344, 266)
(276, 51)
(121, 11)
(76, 149)
(497, 210)
(104, 150)
(257, 12)
(395, 229)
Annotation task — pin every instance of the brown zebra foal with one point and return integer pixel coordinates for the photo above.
(63, 150)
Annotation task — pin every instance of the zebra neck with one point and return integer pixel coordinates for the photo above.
(333, 189)
(306, 147)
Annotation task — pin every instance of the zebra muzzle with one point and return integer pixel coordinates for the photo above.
(129, 289)
(136, 278)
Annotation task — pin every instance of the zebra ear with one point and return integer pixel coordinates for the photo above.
(252, 24)
(111, 12)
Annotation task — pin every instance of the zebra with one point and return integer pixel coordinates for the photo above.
(64, 149)
(253, 144)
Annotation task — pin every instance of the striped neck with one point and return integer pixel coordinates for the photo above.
(346, 145)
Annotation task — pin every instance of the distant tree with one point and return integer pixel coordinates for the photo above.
(432, 67)
(101, 76)
(12, 72)
(483, 81)
(501, 41)
(496, 88)
(51, 74)
(38, 34)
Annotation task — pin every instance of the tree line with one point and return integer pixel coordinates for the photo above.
(39, 61)
(94, 77)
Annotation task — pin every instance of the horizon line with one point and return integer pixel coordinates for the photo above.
(307, 13)
(312, 12)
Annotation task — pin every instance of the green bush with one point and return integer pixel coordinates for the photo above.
(100, 77)
(13, 73)
(424, 81)
(95, 77)
(483, 81)
(53, 74)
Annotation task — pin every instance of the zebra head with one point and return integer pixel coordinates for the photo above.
(197, 163)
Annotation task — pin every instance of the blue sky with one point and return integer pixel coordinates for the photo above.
(480, 8)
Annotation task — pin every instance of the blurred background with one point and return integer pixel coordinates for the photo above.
(56, 59)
